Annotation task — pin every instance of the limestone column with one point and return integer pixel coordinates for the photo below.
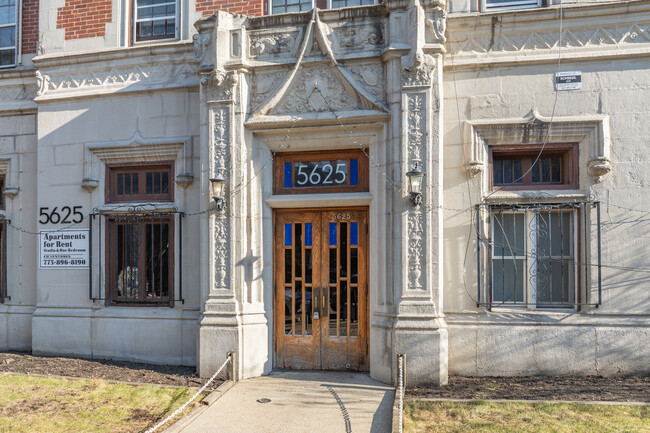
(420, 330)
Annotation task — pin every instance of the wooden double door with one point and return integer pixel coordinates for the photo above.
(321, 290)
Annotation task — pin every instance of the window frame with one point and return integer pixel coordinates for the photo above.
(514, 4)
(152, 38)
(292, 157)
(3, 180)
(531, 289)
(567, 151)
(111, 247)
(16, 26)
(321, 4)
(112, 170)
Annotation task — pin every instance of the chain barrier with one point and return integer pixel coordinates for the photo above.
(180, 409)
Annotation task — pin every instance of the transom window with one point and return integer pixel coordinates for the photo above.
(531, 167)
(144, 183)
(155, 19)
(8, 32)
(510, 4)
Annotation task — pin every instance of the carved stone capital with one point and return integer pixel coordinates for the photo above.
(599, 167)
(201, 42)
(11, 191)
(219, 85)
(419, 75)
(89, 184)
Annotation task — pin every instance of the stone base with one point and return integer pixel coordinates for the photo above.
(214, 344)
(426, 355)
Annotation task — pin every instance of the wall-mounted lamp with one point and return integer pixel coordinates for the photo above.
(217, 184)
(415, 184)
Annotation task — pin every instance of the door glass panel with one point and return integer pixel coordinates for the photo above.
(343, 250)
(333, 234)
(299, 308)
(333, 306)
(354, 172)
(308, 234)
(354, 234)
(288, 308)
(333, 266)
(354, 311)
(308, 266)
(287, 235)
(287, 266)
(354, 265)
(343, 310)
(308, 310)
(298, 250)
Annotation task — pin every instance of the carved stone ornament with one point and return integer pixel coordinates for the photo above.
(201, 43)
(416, 251)
(599, 167)
(474, 168)
(419, 75)
(524, 39)
(17, 93)
(416, 129)
(219, 85)
(437, 25)
(220, 125)
(271, 45)
(118, 77)
(359, 38)
(263, 86)
(371, 77)
(303, 97)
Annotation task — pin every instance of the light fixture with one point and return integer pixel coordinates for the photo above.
(217, 184)
(415, 184)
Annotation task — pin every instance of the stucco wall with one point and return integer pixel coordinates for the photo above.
(604, 340)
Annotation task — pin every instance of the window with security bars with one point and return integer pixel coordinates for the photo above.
(155, 19)
(8, 32)
(140, 259)
(535, 255)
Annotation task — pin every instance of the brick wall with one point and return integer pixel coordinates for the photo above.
(84, 18)
(244, 7)
(30, 26)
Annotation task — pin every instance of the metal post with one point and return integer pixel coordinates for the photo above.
(600, 277)
(90, 257)
(231, 372)
(478, 254)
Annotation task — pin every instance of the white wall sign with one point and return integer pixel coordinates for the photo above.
(571, 80)
(64, 248)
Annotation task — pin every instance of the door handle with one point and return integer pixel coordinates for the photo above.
(316, 295)
(323, 306)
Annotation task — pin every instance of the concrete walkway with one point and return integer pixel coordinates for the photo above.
(302, 402)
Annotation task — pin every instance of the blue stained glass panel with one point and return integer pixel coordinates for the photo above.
(354, 234)
(308, 234)
(333, 234)
(354, 172)
(287, 175)
(287, 235)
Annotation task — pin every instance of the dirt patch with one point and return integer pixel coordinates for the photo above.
(577, 388)
(122, 371)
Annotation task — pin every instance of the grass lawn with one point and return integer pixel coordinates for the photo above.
(49, 404)
(482, 416)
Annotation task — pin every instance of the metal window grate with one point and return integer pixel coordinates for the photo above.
(539, 255)
(139, 258)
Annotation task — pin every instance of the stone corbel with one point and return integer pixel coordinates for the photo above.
(474, 168)
(599, 167)
(436, 23)
(9, 169)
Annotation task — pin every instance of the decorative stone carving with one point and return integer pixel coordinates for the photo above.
(263, 85)
(437, 25)
(416, 251)
(523, 40)
(420, 74)
(201, 43)
(371, 77)
(303, 96)
(474, 168)
(416, 129)
(219, 85)
(162, 73)
(359, 38)
(599, 167)
(220, 162)
(265, 45)
(17, 93)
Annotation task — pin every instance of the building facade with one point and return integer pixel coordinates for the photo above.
(454, 181)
